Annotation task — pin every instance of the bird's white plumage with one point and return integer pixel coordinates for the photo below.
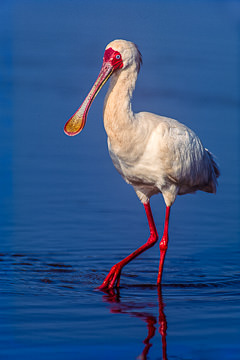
(152, 153)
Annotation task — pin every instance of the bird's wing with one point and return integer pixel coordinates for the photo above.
(178, 149)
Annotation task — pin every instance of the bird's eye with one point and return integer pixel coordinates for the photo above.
(118, 57)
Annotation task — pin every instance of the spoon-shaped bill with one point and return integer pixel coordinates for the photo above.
(77, 122)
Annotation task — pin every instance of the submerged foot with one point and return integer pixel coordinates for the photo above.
(112, 279)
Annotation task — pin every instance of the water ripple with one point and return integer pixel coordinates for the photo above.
(71, 271)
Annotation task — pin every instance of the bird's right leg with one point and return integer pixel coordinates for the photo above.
(163, 245)
(115, 272)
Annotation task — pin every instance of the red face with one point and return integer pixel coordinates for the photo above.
(114, 58)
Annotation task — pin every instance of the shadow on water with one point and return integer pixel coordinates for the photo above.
(138, 307)
(113, 298)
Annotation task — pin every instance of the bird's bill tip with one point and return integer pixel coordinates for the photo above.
(75, 124)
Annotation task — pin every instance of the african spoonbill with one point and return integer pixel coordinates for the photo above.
(154, 154)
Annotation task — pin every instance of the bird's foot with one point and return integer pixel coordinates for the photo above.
(112, 278)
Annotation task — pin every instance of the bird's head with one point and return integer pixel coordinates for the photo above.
(125, 52)
(118, 56)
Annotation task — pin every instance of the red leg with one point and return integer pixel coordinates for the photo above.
(163, 245)
(115, 272)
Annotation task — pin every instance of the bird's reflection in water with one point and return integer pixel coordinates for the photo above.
(138, 310)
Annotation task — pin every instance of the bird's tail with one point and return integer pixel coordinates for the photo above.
(212, 185)
(214, 164)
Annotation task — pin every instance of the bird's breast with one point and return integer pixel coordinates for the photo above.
(137, 168)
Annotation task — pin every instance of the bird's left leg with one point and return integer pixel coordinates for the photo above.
(163, 245)
(115, 272)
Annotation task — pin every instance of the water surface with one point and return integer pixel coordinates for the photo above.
(66, 216)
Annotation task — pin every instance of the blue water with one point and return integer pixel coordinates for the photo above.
(66, 216)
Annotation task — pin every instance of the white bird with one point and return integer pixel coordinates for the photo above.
(154, 154)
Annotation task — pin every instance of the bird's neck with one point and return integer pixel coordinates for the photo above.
(118, 114)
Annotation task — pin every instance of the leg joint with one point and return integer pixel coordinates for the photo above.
(153, 238)
(164, 243)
